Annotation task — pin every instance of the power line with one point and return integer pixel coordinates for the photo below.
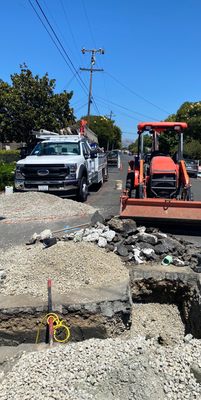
(136, 94)
(88, 22)
(69, 25)
(36, 12)
(128, 109)
(122, 113)
(71, 66)
(79, 108)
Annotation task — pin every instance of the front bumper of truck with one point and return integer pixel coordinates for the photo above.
(46, 186)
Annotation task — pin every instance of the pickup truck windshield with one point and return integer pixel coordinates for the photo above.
(56, 149)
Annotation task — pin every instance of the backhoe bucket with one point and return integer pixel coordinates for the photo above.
(161, 210)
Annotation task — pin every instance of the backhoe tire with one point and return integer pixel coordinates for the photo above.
(130, 182)
(82, 190)
(140, 192)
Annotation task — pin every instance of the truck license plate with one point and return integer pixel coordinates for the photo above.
(42, 188)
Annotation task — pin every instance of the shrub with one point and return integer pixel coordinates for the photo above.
(9, 156)
(6, 175)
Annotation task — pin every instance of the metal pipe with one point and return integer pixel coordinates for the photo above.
(71, 228)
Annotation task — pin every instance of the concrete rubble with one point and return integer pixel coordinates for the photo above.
(138, 245)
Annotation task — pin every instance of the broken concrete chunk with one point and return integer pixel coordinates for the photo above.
(176, 261)
(141, 229)
(101, 226)
(147, 252)
(48, 242)
(116, 224)
(102, 242)
(148, 238)
(129, 226)
(122, 250)
(47, 233)
(108, 235)
(97, 217)
(123, 225)
(33, 238)
(137, 258)
(92, 237)
(196, 371)
(160, 235)
(78, 236)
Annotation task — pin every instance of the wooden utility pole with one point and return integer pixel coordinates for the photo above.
(91, 70)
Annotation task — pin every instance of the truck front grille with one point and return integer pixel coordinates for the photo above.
(41, 172)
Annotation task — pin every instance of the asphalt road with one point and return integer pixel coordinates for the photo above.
(105, 198)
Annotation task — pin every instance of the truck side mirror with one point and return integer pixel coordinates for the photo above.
(93, 154)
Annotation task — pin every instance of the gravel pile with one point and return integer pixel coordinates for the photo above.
(70, 265)
(162, 321)
(107, 369)
(37, 206)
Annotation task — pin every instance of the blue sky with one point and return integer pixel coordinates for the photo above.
(152, 53)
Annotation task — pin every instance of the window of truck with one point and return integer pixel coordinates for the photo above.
(56, 149)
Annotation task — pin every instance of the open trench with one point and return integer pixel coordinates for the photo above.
(151, 295)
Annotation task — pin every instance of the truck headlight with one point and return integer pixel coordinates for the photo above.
(19, 172)
(72, 171)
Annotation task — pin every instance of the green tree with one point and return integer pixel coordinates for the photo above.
(30, 103)
(147, 144)
(189, 112)
(109, 135)
(192, 149)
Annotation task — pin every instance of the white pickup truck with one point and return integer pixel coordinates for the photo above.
(62, 164)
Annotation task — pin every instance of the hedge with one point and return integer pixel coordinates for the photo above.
(6, 175)
(9, 156)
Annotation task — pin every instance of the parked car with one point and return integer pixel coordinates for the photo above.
(113, 158)
(192, 167)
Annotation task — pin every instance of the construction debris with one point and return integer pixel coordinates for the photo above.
(139, 244)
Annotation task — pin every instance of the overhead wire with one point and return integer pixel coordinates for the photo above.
(58, 27)
(36, 12)
(79, 108)
(69, 26)
(128, 109)
(136, 94)
(69, 62)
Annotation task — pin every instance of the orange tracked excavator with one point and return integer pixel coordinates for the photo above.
(157, 186)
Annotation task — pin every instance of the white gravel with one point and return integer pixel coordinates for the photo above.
(36, 206)
(111, 369)
(70, 265)
(157, 320)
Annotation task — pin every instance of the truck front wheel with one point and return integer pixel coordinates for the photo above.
(82, 190)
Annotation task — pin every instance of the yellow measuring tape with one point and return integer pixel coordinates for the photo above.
(58, 323)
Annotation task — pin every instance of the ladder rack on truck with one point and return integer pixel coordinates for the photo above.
(83, 131)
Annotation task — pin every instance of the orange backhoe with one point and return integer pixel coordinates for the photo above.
(157, 186)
